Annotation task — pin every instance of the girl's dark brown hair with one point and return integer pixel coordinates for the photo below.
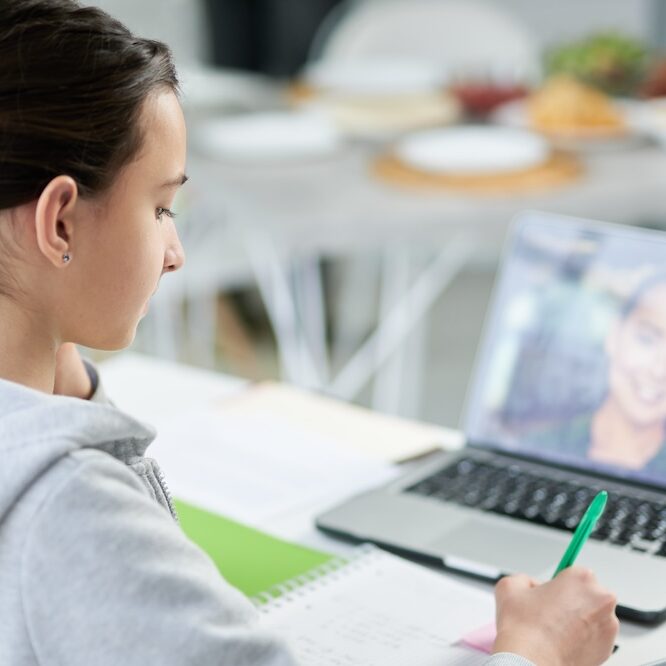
(72, 84)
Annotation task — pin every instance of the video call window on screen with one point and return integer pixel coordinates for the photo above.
(574, 365)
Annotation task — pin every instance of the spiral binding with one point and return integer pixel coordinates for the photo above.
(282, 593)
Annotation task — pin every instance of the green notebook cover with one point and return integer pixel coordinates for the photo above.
(249, 559)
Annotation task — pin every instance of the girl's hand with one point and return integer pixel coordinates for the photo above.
(569, 620)
(71, 376)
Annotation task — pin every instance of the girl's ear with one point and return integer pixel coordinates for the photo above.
(54, 223)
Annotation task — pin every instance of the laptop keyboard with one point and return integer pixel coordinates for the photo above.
(512, 491)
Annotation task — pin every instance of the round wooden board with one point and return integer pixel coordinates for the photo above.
(559, 170)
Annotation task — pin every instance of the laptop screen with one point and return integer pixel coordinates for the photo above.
(572, 366)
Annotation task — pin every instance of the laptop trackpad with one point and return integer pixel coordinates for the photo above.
(508, 548)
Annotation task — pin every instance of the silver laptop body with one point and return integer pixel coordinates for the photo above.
(540, 405)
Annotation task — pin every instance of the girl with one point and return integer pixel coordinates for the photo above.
(93, 566)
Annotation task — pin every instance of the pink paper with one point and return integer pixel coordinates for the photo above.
(482, 638)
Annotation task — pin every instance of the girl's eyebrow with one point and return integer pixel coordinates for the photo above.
(176, 182)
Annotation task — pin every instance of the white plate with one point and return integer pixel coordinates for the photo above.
(384, 119)
(473, 150)
(379, 77)
(270, 137)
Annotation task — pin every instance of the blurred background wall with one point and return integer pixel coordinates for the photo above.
(274, 36)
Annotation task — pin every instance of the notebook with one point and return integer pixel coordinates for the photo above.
(249, 559)
(355, 429)
(373, 608)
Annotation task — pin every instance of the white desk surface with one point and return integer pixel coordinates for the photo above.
(152, 388)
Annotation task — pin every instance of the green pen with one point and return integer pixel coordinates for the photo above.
(583, 531)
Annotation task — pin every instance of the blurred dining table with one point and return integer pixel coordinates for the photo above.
(336, 204)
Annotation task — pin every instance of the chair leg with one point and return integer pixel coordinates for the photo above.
(402, 318)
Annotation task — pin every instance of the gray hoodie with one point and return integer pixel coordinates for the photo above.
(94, 569)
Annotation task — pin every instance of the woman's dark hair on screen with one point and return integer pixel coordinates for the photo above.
(72, 84)
(647, 284)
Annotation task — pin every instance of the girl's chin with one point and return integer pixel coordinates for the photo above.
(120, 339)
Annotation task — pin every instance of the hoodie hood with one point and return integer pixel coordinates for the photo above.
(37, 429)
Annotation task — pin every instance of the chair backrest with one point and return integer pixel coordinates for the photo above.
(463, 36)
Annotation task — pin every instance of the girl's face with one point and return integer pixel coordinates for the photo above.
(637, 353)
(123, 241)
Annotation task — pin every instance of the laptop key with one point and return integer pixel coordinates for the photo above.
(490, 502)
(657, 532)
(531, 511)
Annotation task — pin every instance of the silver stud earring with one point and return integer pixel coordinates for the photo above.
(66, 258)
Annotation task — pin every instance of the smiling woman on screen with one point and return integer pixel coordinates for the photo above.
(94, 568)
(629, 428)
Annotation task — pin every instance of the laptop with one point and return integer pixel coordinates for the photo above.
(568, 397)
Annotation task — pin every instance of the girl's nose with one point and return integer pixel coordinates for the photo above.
(174, 257)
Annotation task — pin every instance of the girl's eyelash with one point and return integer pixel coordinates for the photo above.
(164, 211)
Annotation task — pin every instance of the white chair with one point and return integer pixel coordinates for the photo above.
(460, 35)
